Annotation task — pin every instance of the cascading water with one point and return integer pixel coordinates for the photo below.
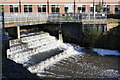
(46, 56)
(44, 64)
(38, 51)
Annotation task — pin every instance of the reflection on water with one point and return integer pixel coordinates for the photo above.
(84, 67)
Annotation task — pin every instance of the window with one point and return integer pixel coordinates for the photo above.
(27, 8)
(79, 9)
(116, 9)
(13, 8)
(66, 9)
(104, 9)
(98, 8)
(83, 8)
(41, 8)
(55, 8)
(108, 8)
(91, 9)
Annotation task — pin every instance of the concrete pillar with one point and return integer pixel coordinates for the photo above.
(35, 8)
(105, 28)
(99, 28)
(62, 9)
(18, 31)
(112, 9)
(6, 8)
(87, 8)
(60, 36)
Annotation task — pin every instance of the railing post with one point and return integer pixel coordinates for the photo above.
(94, 8)
(48, 6)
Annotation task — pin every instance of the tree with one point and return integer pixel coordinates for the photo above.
(98, 7)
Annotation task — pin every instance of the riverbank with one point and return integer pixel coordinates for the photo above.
(12, 70)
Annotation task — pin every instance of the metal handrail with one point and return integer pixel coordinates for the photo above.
(25, 17)
(51, 17)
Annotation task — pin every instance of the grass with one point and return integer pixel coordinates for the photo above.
(112, 20)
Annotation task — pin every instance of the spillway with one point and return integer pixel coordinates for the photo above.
(48, 57)
(37, 51)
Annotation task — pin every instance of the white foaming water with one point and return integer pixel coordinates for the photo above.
(30, 51)
(40, 52)
(106, 52)
(49, 62)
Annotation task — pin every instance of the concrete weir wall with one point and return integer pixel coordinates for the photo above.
(12, 31)
(71, 32)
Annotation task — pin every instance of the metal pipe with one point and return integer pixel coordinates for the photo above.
(102, 4)
(20, 5)
(48, 6)
(74, 7)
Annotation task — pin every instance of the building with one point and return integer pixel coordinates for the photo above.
(61, 6)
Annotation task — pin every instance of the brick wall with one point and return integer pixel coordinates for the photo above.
(6, 8)
(112, 9)
(34, 8)
(87, 8)
(62, 9)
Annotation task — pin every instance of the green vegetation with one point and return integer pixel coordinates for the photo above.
(108, 40)
(90, 36)
(114, 16)
(98, 7)
(112, 20)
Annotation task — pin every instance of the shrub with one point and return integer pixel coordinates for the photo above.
(110, 40)
(90, 36)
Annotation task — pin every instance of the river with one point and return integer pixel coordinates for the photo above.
(48, 57)
(85, 66)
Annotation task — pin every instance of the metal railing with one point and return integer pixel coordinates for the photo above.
(77, 17)
(34, 18)
(67, 17)
(25, 17)
(90, 16)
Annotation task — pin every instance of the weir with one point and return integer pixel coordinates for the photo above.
(70, 25)
(38, 51)
(47, 56)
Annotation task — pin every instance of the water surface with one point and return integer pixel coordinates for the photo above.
(86, 66)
